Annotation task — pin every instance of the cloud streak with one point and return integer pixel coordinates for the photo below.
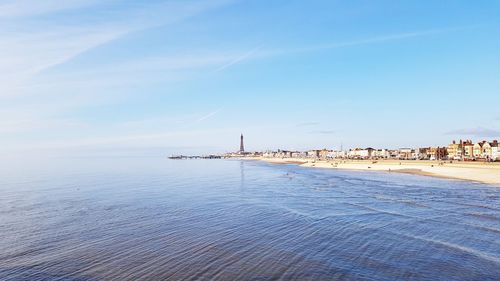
(29, 49)
(370, 40)
(307, 124)
(26, 8)
(37, 103)
(345, 44)
(239, 59)
(324, 132)
(477, 132)
(209, 115)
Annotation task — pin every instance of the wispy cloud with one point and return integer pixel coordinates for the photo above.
(209, 115)
(28, 48)
(239, 59)
(324, 132)
(477, 132)
(24, 55)
(14, 124)
(307, 124)
(25, 8)
(35, 40)
(127, 139)
(264, 53)
(371, 40)
(173, 65)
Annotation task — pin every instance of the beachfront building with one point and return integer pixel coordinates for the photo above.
(360, 153)
(334, 154)
(468, 150)
(268, 154)
(486, 150)
(424, 153)
(495, 151)
(437, 153)
(405, 153)
(369, 152)
(284, 154)
(394, 153)
(381, 154)
(314, 154)
(299, 154)
(478, 149)
(415, 154)
(323, 154)
(353, 153)
(273, 154)
(455, 150)
(277, 154)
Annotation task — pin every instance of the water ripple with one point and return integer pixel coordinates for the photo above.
(231, 220)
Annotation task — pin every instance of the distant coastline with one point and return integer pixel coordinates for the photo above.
(483, 172)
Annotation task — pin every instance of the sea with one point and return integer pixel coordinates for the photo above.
(160, 219)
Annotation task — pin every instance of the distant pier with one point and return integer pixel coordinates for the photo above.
(182, 157)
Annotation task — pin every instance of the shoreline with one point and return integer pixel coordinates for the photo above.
(487, 173)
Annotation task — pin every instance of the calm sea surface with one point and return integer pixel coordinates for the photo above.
(157, 219)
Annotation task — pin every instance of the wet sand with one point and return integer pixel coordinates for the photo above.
(488, 173)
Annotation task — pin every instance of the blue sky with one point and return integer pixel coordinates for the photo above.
(167, 77)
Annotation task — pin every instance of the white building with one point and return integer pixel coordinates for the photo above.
(313, 154)
(336, 154)
(359, 153)
(381, 153)
(298, 154)
(495, 151)
(405, 153)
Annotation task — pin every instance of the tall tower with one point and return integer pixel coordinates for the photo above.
(242, 148)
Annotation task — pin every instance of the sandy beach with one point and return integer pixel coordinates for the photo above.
(488, 173)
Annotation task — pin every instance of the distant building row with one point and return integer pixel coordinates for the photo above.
(466, 150)
(462, 150)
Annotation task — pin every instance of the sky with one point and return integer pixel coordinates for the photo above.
(111, 77)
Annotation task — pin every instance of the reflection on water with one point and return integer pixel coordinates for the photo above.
(242, 174)
(231, 220)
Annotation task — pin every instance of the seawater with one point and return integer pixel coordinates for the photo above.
(158, 219)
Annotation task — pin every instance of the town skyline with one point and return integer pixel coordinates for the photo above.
(462, 150)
